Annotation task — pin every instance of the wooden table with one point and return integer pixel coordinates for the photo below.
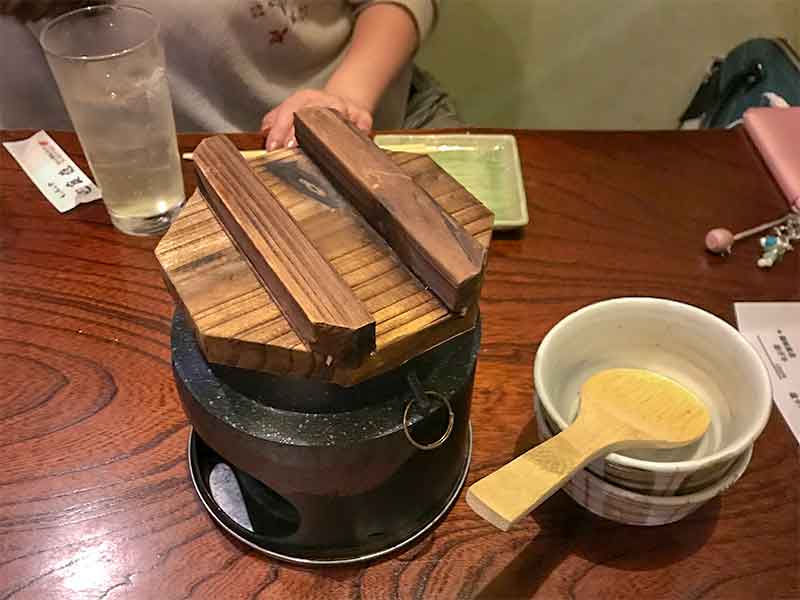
(95, 498)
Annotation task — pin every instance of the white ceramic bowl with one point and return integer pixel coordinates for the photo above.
(693, 347)
(624, 506)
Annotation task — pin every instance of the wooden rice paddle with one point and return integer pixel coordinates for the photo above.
(619, 409)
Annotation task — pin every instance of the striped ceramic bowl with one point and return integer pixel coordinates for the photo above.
(695, 348)
(652, 483)
(631, 508)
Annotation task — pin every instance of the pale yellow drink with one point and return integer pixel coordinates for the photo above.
(109, 66)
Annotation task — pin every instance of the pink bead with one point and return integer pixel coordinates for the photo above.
(719, 240)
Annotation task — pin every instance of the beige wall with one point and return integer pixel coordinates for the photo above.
(590, 63)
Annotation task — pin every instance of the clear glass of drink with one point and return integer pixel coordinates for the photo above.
(109, 66)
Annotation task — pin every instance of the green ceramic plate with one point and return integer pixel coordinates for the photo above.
(486, 165)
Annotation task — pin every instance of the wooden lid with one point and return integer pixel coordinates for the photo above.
(236, 317)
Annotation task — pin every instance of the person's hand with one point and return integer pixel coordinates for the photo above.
(280, 120)
(33, 10)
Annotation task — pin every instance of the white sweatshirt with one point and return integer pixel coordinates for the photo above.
(228, 63)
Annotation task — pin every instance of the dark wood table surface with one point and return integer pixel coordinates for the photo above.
(95, 497)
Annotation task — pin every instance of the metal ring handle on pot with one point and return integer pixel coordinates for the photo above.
(451, 419)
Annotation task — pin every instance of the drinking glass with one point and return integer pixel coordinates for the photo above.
(109, 66)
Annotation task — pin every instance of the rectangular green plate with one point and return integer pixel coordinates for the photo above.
(486, 165)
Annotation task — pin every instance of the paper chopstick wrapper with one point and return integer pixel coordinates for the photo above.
(247, 154)
(418, 148)
(54, 173)
(776, 134)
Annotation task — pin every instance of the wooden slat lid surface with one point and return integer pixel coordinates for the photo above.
(238, 322)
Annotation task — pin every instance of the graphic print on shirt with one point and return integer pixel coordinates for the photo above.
(291, 12)
(257, 10)
(294, 11)
(276, 35)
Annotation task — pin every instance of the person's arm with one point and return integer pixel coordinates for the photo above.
(384, 39)
(369, 65)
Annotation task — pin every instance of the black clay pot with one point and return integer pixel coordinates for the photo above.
(331, 475)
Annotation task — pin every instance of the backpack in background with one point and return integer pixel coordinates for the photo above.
(758, 72)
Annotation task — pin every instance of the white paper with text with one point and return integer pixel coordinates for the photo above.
(773, 329)
(54, 173)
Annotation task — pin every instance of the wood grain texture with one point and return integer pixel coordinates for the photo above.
(432, 244)
(620, 409)
(95, 497)
(312, 296)
(239, 323)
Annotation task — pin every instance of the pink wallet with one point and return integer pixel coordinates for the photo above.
(776, 134)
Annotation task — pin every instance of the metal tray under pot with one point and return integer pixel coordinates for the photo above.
(314, 473)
